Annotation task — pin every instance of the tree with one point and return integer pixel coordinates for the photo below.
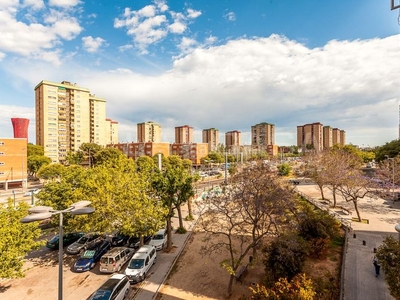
(173, 185)
(74, 158)
(314, 169)
(35, 162)
(35, 150)
(389, 257)
(390, 149)
(284, 169)
(356, 187)
(299, 288)
(51, 172)
(16, 239)
(254, 205)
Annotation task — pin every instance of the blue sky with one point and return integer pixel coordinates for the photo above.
(227, 64)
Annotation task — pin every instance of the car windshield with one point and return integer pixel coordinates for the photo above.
(158, 237)
(136, 264)
(82, 240)
(88, 254)
(54, 239)
(101, 295)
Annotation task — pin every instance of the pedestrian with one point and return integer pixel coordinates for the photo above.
(377, 266)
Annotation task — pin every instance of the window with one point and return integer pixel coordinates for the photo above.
(1, 143)
(2, 163)
(1, 173)
(1, 153)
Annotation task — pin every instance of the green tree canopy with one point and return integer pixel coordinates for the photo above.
(16, 239)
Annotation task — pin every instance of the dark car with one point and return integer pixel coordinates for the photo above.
(115, 288)
(68, 239)
(83, 243)
(119, 240)
(134, 241)
(91, 256)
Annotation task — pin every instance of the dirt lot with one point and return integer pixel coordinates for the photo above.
(198, 278)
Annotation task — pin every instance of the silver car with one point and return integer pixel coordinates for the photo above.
(83, 243)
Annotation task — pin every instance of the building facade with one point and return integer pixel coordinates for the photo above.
(183, 134)
(263, 134)
(13, 163)
(233, 139)
(66, 117)
(310, 136)
(148, 132)
(135, 150)
(111, 131)
(327, 137)
(193, 151)
(211, 137)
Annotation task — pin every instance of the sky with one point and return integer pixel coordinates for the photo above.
(225, 64)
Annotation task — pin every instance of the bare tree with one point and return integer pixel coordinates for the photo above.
(356, 187)
(254, 205)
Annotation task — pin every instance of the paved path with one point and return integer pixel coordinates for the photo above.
(381, 216)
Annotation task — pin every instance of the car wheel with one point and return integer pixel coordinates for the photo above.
(154, 261)
(144, 276)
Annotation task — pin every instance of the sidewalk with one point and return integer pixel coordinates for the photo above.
(380, 218)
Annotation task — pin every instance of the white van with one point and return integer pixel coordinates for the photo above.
(140, 263)
(159, 240)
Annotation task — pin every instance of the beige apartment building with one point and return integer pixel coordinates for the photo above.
(233, 139)
(318, 137)
(111, 131)
(211, 137)
(68, 116)
(192, 151)
(183, 134)
(263, 134)
(135, 150)
(148, 132)
(310, 136)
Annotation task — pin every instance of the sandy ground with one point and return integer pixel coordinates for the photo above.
(196, 277)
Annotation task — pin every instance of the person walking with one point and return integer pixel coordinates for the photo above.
(377, 266)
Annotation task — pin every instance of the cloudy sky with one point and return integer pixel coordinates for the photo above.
(227, 64)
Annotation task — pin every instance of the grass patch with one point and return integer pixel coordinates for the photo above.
(364, 221)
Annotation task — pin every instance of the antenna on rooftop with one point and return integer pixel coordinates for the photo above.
(395, 4)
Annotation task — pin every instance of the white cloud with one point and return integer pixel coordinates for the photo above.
(193, 14)
(125, 47)
(230, 16)
(64, 3)
(2, 56)
(35, 40)
(91, 44)
(150, 24)
(352, 85)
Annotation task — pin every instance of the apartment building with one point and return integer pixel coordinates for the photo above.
(111, 131)
(327, 137)
(263, 134)
(135, 150)
(66, 117)
(13, 163)
(338, 137)
(183, 134)
(211, 137)
(310, 136)
(192, 151)
(148, 132)
(233, 139)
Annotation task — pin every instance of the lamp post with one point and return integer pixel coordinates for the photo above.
(392, 159)
(40, 213)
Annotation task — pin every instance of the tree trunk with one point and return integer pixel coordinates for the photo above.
(169, 233)
(189, 204)
(321, 188)
(334, 195)
(230, 285)
(357, 211)
(178, 208)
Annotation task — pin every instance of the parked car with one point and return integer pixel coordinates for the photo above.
(159, 240)
(115, 259)
(91, 256)
(68, 239)
(119, 240)
(83, 243)
(115, 288)
(30, 192)
(140, 263)
(134, 241)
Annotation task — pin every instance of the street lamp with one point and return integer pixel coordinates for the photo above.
(392, 159)
(39, 213)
